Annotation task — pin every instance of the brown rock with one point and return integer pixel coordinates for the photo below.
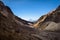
(13, 27)
(49, 21)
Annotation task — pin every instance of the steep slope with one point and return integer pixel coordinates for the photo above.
(12, 27)
(50, 21)
(6, 11)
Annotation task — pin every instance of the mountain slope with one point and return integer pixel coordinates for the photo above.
(50, 21)
(12, 27)
(15, 28)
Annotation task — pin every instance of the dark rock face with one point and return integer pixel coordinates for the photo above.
(12, 27)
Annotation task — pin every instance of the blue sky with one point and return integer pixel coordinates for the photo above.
(31, 9)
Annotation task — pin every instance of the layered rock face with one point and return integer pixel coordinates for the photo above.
(50, 21)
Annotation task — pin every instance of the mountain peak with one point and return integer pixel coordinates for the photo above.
(49, 19)
(1, 3)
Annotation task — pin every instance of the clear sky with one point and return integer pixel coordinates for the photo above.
(31, 9)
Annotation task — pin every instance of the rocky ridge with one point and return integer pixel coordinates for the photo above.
(50, 21)
(13, 27)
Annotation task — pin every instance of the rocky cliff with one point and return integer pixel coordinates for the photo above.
(50, 21)
(13, 27)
